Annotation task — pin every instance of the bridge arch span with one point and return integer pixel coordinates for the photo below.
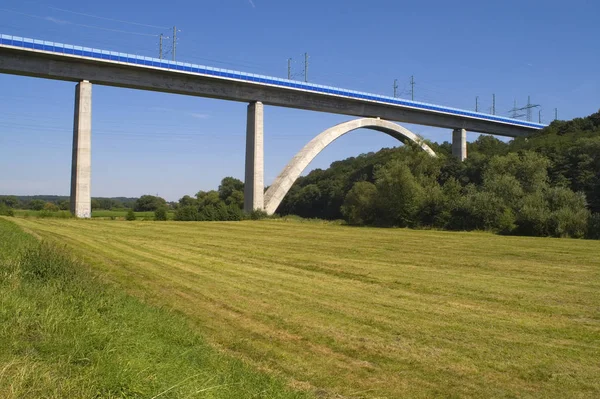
(303, 158)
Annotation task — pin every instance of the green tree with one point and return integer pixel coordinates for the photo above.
(10, 201)
(49, 206)
(360, 203)
(37, 204)
(186, 213)
(130, 215)
(400, 196)
(228, 186)
(148, 203)
(160, 213)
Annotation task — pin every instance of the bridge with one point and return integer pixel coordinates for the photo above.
(87, 66)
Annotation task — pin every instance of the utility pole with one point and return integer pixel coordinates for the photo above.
(493, 104)
(555, 114)
(412, 88)
(514, 110)
(540, 116)
(395, 88)
(306, 67)
(174, 41)
(477, 104)
(528, 107)
(289, 69)
(160, 53)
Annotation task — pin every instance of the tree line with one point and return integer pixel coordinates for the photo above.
(547, 184)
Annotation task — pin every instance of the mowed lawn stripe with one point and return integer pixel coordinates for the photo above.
(385, 312)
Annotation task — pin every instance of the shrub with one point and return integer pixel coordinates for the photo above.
(5, 210)
(160, 213)
(257, 214)
(186, 213)
(130, 215)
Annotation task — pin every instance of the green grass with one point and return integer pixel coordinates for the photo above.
(364, 312)
(65, 334)
(99, 214)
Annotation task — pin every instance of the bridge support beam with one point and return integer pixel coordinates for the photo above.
(254, 185)
(459, 143)
(81, 167)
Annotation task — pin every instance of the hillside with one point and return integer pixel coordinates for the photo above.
(546, 184)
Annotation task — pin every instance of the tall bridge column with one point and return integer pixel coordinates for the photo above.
(459, 143)
(81, 201)
(254, 185)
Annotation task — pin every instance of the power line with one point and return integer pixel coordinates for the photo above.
(107, 19)
(49, 19)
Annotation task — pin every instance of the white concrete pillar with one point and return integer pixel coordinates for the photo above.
(81, 167)
(459, 143)
(254, 185)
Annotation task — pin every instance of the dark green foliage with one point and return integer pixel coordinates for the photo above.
(148, 203)
(10, 201)
(130, 215)
(257, 214)
(223, 205)
(593, 228)
(51, 207)
(6, 210)
(37, 205)
(544, 185)
(360, 203)
(160, 213)
(186, 213)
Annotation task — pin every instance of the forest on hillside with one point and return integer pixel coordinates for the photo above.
(547, 184)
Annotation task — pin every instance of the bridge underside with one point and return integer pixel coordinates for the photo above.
(111, 73)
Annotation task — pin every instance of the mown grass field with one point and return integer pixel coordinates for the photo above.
(362, 312)
(100, 214)
(66, 334)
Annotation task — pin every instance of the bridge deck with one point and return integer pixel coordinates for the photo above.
(29, 57)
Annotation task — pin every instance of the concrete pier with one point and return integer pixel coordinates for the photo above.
(254, 185)
(81, 167)
(459, 143)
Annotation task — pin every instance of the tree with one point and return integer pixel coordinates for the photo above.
(36, 204)
(49, 206)
(399, 195)
(360, 203)
(228, 186)
(10, 201)
(160, 213)
(130, 215)
(186, 213)
(148, 203)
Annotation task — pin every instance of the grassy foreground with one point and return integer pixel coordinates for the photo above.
(362, 312)
(64, 334)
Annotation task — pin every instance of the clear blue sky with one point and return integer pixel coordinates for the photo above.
(173, 145)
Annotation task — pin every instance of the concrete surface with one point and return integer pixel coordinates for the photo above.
(296, 166)
(254, 184)
(81, 167)
(459, 143)
(112, 73)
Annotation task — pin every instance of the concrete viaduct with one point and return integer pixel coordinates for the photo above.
(87, 66)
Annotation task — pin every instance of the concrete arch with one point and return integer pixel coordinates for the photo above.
(294, 168)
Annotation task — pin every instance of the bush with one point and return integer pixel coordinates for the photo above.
(5, 210)
(257, 214)
(160, 213)
(130, 215)
(186, 213)
(49, 206)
